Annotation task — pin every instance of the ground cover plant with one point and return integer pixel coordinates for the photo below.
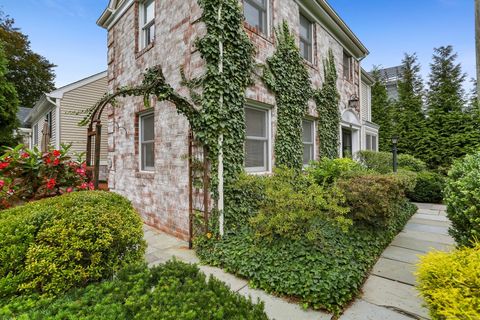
(449, 282)
(173, 291)
(51, 245)
(29, 174)
(324, 271)
(462, 196)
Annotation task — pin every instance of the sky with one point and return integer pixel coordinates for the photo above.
(65, 31)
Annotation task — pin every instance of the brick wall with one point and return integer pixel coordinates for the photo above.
(162, 196)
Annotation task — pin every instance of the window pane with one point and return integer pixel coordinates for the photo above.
(307, 153)
(148, 156)
(369, 142)
(256, 122)
(256, 154)
(346, 65)
(149, 13)
(147, 128)
(307, 131)
(255, 14)
(374, 143)
(305, 29)
(304, 50)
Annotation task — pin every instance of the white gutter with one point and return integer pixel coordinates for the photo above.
(57, 119)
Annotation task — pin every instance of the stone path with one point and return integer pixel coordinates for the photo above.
(388, 293)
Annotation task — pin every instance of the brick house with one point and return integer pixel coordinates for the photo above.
(147, 148)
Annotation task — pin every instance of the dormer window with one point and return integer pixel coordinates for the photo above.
(147, 23)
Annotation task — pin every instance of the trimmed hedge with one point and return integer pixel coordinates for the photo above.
(54, 244)
(171, 291)
(462, 196)
(450, 283)
(374, 198)
(429, 188)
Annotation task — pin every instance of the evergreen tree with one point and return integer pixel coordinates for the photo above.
(382, 111)
(31, 74)
(8, 106)
(408, 117)
(454, 128)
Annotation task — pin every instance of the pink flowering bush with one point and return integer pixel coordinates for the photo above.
(30, 175)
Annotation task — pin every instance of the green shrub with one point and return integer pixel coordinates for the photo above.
(326, 276)
(429, 188)
(382, 162)
(171, 291)
(295, 206)
(52, 245)
(450, 283)
(327, 171)
(374, 198)
(462, 196)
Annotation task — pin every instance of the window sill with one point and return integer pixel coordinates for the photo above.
(259, 173)
(258, 33)
(145, 174)
(310, 64)
(140, 53)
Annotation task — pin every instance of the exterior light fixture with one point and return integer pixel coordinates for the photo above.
(354, 102)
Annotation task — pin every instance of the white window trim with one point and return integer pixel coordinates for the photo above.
(312, 33)
(268, 17)
(314, 139)
(259, 170)
(142, 26)
(35, 135)
(373, 135)
(140, 142)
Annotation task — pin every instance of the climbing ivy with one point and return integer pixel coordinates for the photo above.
(327, 101)
(286, 75)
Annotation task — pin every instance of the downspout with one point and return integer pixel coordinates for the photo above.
(57, 119)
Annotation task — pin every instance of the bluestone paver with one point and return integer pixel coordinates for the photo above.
(395, 270)
(363, 310)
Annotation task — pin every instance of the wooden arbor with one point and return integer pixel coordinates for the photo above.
(94, 137)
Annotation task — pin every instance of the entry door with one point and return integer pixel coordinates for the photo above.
(346, 143)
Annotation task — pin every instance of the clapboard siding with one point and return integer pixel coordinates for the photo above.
(77, 100)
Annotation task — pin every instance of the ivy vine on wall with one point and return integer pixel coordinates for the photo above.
(327, 101)
(286, 75)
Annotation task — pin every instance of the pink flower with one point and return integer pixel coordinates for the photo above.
(2, 183)
(91, 186)
(48, 160)
(56, 153)
(56, 162)
(25, 155)
(80, 171)
(83, 186)
(51, 184)
(3, 165)
(69, 189)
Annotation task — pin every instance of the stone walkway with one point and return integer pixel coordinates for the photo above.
(388, 293)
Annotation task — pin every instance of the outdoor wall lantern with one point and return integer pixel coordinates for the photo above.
(394, 152)
(354, 102)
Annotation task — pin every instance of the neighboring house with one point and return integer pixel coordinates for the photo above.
(148, 147)
(24, 130)
(58, 108)
(391, 76)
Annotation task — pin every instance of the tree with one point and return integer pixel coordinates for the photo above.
(31, 74)
(452, 124)
(8, 106)
(382, 110)
(408, 118)
(477, 41)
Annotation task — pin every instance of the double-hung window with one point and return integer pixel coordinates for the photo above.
(347, 66)
(308, 138)
(35, 134)
(371, 142)
(147, 142)
(306, 38)
(146, 22)
(257, 144)
(256, 14)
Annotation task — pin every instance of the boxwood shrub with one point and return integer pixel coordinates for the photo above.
(462, 196)
(54, 244)
(171, 291)
(429, 188)
(450, 283)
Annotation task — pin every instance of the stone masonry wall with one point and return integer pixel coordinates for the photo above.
(162, 196)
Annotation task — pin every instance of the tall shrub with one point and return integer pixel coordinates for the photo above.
(462, 196)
